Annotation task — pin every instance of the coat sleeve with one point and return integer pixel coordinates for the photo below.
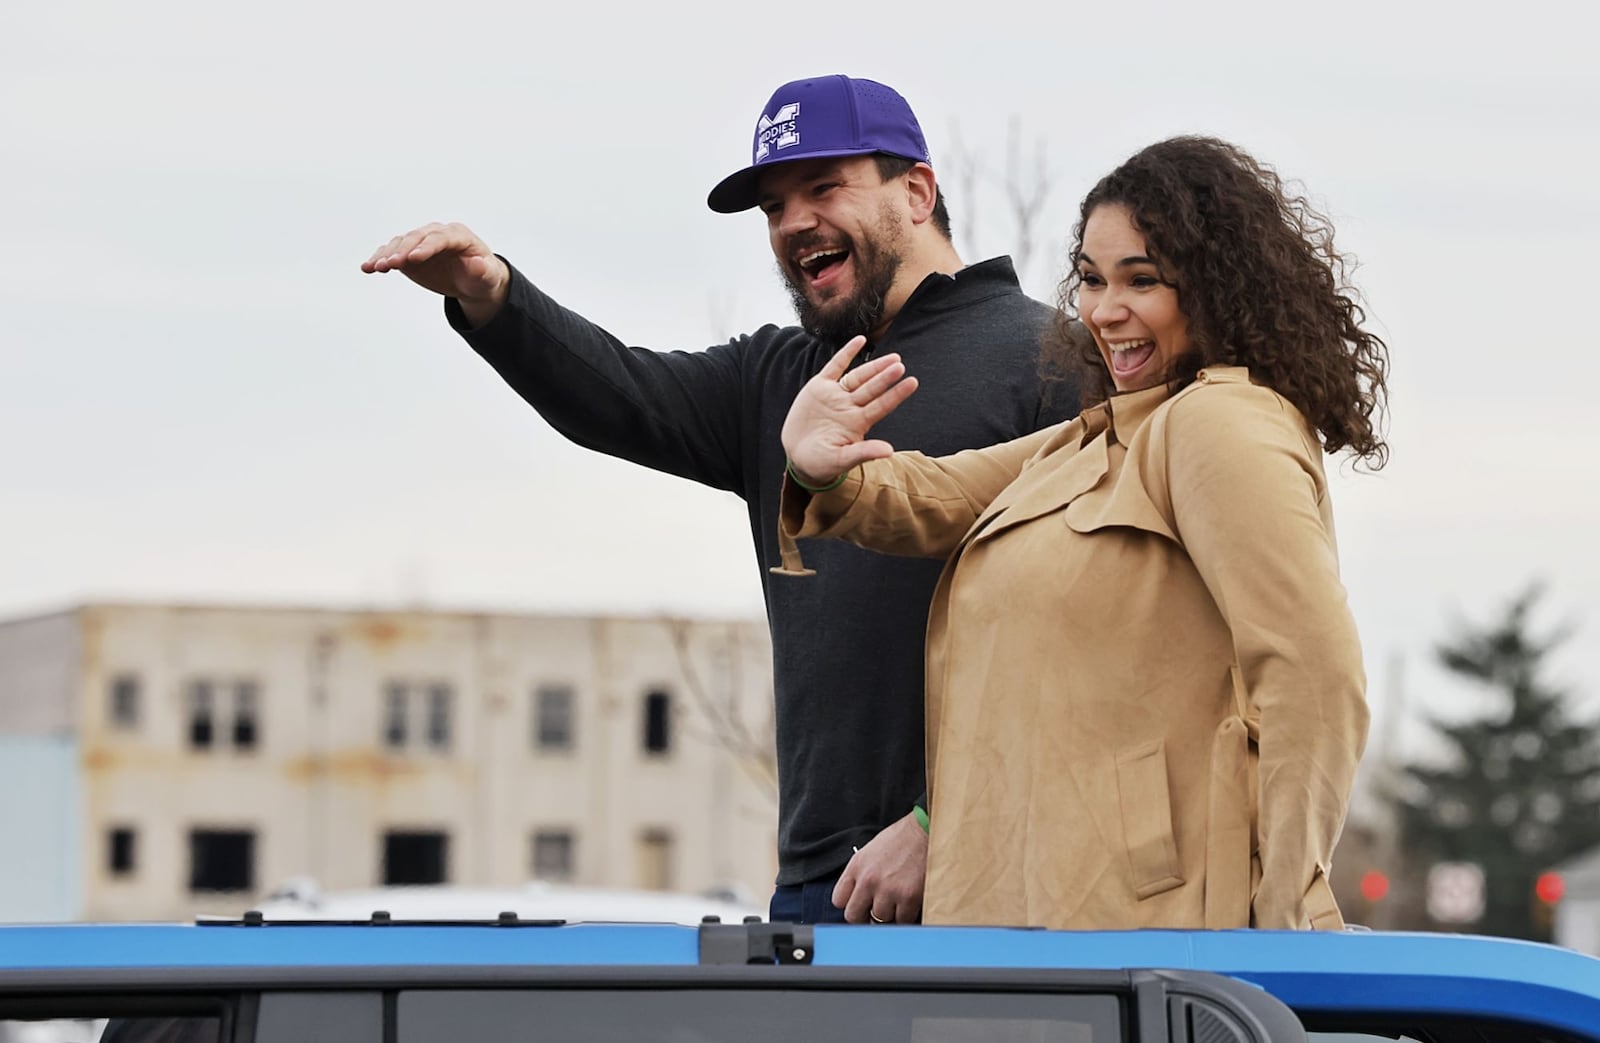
(910, 504)
(673, 411)
(1248, 495)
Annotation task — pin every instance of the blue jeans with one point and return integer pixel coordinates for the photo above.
(810, 902)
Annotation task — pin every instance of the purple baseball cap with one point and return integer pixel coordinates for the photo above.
(823, 116)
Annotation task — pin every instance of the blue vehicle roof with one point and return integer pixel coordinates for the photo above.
(1355, 971)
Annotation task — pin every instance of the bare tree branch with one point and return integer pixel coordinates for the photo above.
(750, 743)
(967, 167)
(1024, 186)
(1026, 190)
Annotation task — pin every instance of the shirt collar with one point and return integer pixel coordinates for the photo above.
(940, 292)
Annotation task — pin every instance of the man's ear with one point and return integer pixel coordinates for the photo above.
(922, 191)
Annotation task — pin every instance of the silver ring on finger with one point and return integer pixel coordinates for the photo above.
(875, 918)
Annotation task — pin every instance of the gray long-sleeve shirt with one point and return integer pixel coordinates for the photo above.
(847, 643)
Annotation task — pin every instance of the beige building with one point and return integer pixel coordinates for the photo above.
(168, 760)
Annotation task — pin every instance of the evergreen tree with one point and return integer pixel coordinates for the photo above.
(1519, 789)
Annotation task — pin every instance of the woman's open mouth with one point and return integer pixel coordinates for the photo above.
(1128, 356)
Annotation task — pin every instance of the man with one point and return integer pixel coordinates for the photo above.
(862, 238)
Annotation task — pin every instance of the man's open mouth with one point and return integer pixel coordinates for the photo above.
(819, 266)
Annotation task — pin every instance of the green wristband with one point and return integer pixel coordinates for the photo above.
(922, 816)
(788, 465)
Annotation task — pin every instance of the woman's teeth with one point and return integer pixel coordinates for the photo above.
(1129, 355)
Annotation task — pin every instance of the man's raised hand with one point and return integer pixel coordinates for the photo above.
(450, 260)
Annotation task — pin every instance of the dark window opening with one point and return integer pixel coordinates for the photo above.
(222, 860)
(125, 701)
(553, 854)
(657, 722)
(122, 851)
(439, 716)
(553, 728)
(394, 716)
(414, 857)
(244, 715)
(200, 719)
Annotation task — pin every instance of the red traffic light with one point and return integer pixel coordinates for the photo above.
(1549, 888)
(1374, 885)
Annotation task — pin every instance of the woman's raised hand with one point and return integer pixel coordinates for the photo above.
(825, 433)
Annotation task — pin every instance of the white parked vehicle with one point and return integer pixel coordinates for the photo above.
(302, 899)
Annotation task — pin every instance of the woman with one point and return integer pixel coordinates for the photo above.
(1145, 691)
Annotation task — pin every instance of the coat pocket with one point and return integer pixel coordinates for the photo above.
(1146, 805)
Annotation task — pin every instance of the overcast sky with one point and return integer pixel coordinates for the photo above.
(201, 396)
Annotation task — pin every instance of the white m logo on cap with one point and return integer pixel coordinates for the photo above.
(780, 130)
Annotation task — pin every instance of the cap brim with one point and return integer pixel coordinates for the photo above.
(734, 193)
(737, 192)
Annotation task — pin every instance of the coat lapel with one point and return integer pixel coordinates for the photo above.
(1048, 484)
(1080, 480)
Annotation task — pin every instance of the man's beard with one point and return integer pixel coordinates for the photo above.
(877, 262)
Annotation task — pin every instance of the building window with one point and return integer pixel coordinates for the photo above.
(200, 714)
(439, 716)
(245, 709)
(430, 705)
(394, 716)
(122, 851)
(222, 860)
(552, 717)
(553, 854)
(657, 722)
(414, 857)
(209, 721)
(654, 856)
(125, 701)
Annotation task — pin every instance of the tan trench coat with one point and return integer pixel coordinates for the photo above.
(1145, 691)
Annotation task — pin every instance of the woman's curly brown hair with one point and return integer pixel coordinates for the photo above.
(1257, 277)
